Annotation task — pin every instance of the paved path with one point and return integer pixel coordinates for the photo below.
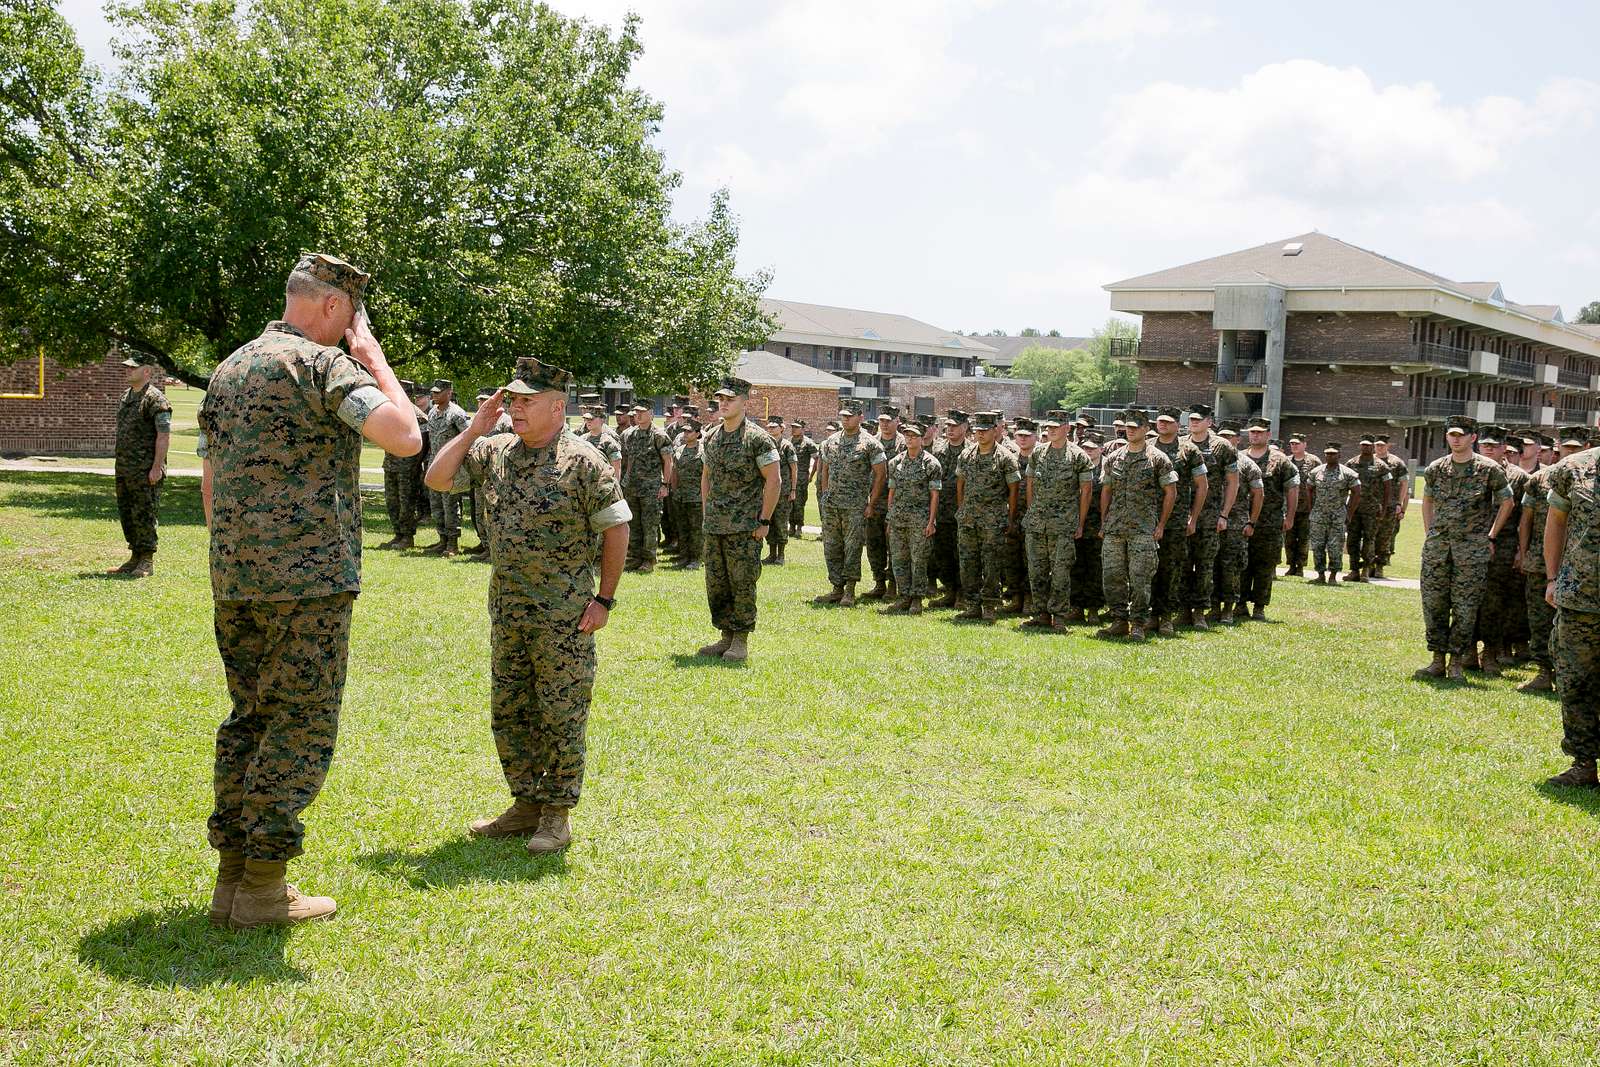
(66, 466)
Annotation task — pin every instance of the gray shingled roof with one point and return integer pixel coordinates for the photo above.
(1008, 348)
(1322, 263)
(759, 367)
(880, 329)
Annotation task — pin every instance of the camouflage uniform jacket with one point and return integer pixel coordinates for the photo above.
(1137, 478)
(140, 417)
(1574, 489)
(1222, 459)
(686, 465)
(948, 456)
(736, 460)
(1517, 480)
(1278, 476)
(1332, 486)
(1374, 475)
(605, 443)
(1091, 523)
(1249, 478)
(985, 484)
(1398, 473)
(1058, 476)
(1536, 503)
(446, 425)
(1307, 465)
(1190, 464)
(544, 507)
(786, 457)
(644, 448)
(805, 454)
(850, 461)
(281, 427)
(914, 482)
(1465, 497)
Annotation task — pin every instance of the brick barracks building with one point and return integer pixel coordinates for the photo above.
(1331, 340)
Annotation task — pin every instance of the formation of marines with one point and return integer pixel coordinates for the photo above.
(1143, 529)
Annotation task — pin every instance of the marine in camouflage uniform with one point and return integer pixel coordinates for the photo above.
(740, 485)
(805, 455)
(446, 420)
(1088, 588)
(877, 530)
(915, 481)
(280, 436)
(1297, 540)
(1222, 495)
(646, 463)
(1530, 557)
(599, 437)
(1280, 486)
(851, 474)
(987, 483)
(1060, 478)
(1503, 596)
(1461, 492)
(144, 426)
(1018, 586)
(1137, 497)
(1330, 488)
(1233, 544)
(788, 460)
(475, 489)
(944, 560)
(402, 480)
(1361, 539)
(1574, 516)
(684, 499)
(550, 501)
(1167, 595)
(1388, 522)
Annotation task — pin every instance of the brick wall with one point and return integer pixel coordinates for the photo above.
(1006, 395)
(815, 405)
(1324, 338)
(76, 417)
(1357, 390)
(1162, 383)
(1167, 335)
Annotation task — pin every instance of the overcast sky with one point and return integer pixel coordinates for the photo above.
(992, 163)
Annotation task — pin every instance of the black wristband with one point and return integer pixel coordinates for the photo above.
(604, 601)
(763, 522)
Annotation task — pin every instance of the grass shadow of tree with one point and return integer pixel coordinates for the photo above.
(465, 859)
(178, 946)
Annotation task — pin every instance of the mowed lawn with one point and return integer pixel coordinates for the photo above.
(880, 841)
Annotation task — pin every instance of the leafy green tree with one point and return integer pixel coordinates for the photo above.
(1076, 377)
(1052, 372)
(486, 160)
(1590, 312)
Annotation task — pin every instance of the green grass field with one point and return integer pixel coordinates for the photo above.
(880, 841)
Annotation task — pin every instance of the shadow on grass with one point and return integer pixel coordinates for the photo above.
(685, 660)
(178, 946)
(465, 859)
(1586, 798)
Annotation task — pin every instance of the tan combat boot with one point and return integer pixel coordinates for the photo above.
(1260, 613)
(833, 597)
(914, 606)
(127, 564)
(951, 598)
(1434, 669)
(1040, 621)
(1186, 617)
(519, 820)
(717, 648)
(144, 565)
(738, 648)
(230, 869)
(899, 607)
(973, 610)
(1580, 775)
(1539, 683)
(265, 899)
(1490, 661)
(647, 566)
(1164, 626)
(876, 592)
(555, 832)
(1074, 616)
(1226, 617)
(1136, 631)
(1118, 628)
(987, 612)
(1455, 672)
(1013, 606)
(437, 548)
(848, 600)
(451, 548)
(1200, 623)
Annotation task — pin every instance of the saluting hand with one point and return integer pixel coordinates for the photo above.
(364, 348)
(483, 420)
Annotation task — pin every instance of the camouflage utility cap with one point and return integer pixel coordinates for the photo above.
(331, 270)
(532, 377)
(732, 386)
(850, 407)
(138, 359)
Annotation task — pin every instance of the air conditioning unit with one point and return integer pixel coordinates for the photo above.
(1546, 374)
(1482, 410)
(1481, 362)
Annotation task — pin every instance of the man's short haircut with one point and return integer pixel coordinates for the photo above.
(301, 284)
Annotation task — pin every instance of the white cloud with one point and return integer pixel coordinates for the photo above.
(1102, 22)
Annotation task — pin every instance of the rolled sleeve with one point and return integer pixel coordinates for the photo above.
(359, 404)
(1012, 477)
(613, 514)
(767, 458)
(1169, 478)
(202, 447)
(164, 421)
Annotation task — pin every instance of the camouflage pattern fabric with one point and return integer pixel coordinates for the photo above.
(141, 416)
(1388, 523)
(1202, 549)
(280, 425)
(1330, 488)
(1455, 553)
(1278, 476)
(877, 529)
(914, 481)
(1016, 562)
(138, 506)
(1172, 555)
(1576, 656)
(735, 462)
(944, 562)
(285, 665)
(1502, 615)
(1361, 540)
(644, 449)
(1233, 547)
(1575, 490)
(843, 532)
(445, 425)
(400, 500)
(909, 548)
(545, 507)
(986, 481)
(1088, 591)
(1541, 616)
(850, 460)
(685, 500)
(806, 461)
(1058, 476)
(605, 442)
(778, 531)
(1128, 550)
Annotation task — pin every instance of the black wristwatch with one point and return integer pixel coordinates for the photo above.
(606, 602)
(763, 522)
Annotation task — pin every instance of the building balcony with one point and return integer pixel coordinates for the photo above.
(951, 372)
(1402, 411)
(1519, 414)
(865, 392)
(1125, 348)
(1516, 368)
(1248, 375)
(1572, 379)
(864, 366)
(1574, 417)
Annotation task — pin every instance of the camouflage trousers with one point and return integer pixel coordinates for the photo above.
(732, 566)
(1088, 591)
(1016, 567)
(689, 514)
(138, 504)
(400, 497)
(1327, 541)
(1383, 546)
(1200, 563)
(285, 664)
(777, 529)
(1051, 556)
(944, 559)
(982, 548)
(446, 511)
(1128, 570)
(843, 530)
(1297, 541)
(1576, 655)
(1172, 556)
(1261, 564)
(797, 508)
(1453, 578)
(644, 532)
(541, 676)
(1503, 598)
(669, 525)
(475, 505)
(1541, 617)
(909, 549)
(877, 541)
(1233, 553)
(1361, 538)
